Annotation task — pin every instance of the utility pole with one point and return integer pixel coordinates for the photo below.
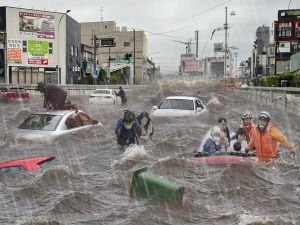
(101, 13)
(134, 56)
(94, 44)
(225, 50)
(197, 41)
(108, 68)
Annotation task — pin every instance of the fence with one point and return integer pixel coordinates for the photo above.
(287, 99)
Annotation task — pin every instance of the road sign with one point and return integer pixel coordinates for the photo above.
(95, 73)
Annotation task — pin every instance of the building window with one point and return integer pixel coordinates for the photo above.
(72, 51)
(105, 26)
(50, 48)
(297, 30)
(126, 44)
(284, 30)
(24, 46)
(75, 51)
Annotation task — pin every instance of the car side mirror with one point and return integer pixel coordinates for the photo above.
(154, 107)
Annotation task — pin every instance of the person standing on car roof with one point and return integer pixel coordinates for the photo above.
(128, 129)
(54, 96)
(122, 95)
(265, 138)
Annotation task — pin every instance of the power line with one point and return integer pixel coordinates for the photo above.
(289, 4)
(204, 11)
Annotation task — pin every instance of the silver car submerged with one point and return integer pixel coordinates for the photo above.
(178, 106)
(47, 126)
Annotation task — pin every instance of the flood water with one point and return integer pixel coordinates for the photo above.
(88, 186)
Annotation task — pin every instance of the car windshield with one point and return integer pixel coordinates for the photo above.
(48, 163)
(41, 122)
(102, 92)
(183, 104)
(16, 89)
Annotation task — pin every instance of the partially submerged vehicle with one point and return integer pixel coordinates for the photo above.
(104, 96)
(26, 164)
(14, 94)
(177, 106)
(47, 126)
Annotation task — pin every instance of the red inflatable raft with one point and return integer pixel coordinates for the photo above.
(222, 158)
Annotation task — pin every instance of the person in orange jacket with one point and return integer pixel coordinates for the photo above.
(247, 125)
(265, 138)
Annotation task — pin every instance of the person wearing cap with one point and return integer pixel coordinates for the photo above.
(247, 125)
(265, 138)
(128, 129)
(122, 95)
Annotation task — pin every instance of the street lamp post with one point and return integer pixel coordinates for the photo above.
(226, 41)
(225, 50)
(58, 42)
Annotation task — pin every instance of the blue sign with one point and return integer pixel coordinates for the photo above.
(95, 73)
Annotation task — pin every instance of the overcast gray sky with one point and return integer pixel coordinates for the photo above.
(176, 19)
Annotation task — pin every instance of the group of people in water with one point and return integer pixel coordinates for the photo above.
(262, 138)
(130, 129)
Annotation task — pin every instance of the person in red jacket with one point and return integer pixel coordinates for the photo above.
(247, 125)
(265, 138)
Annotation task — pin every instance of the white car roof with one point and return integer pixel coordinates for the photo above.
(104, 89)
(56, 112)
(181, 97)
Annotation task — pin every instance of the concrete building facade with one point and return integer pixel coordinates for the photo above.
(126, 42)
(38, 46)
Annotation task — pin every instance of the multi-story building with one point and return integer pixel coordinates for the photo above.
(133, 43)
(38, 46)
(287, 38)
(260, 60)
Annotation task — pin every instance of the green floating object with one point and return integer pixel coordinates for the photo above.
(146, 185)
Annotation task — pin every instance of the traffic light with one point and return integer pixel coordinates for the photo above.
(127, 58)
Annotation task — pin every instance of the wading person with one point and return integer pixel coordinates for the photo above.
(146, 125)
(122, 95)
(128, 129)
(265, 138)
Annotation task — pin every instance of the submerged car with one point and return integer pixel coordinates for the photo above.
(14, 94)
(178, 106)
(47, 126)
(26, 164)
(104, 96)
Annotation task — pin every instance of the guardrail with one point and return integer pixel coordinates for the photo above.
(75, 89)
(283, 98)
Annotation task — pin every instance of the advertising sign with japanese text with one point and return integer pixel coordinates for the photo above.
(36, 25)
(14, 51)
(37, 52)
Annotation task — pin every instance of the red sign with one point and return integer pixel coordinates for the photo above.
(38, 61)
(14, 55)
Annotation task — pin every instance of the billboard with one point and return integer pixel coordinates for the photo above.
(218, 47)
(290, 14)
(36, 25)
(14, 51)
(192, 66)
(37, 52)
